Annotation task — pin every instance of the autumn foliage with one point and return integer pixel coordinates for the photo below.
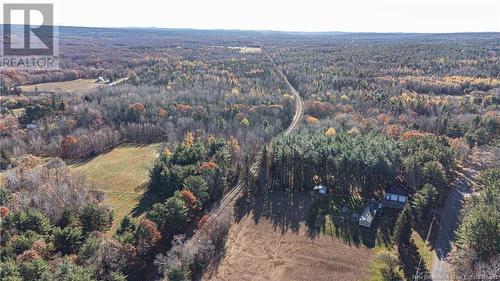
(4, 211)
(392, 131)
(147, 236)
(414, 134)
(27, 256)
(204, 166)
(67, 144)
(311, 119)
(202, 221)
(137, 107)
(190, 199)
(162, 113)
(183, 109)
(330, 132)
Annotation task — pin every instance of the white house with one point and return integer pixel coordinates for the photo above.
(369, 214)
(100, 79)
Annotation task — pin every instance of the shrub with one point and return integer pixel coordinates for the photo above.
(177, 274)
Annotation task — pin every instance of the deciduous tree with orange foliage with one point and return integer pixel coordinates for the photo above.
(414, 134)
(68, 146)
(190, 199)
(147, 236)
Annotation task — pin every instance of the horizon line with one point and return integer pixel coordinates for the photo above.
(262, 30)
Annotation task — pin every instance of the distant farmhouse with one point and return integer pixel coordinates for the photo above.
(100, 79)
(31, 126)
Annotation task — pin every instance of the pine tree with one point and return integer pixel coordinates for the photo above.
(246, 176)
(263, 170)
(402, 229)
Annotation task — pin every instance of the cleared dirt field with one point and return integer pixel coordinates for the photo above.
(74, 86)
(250, 50)
(247, 50)
(272, 242)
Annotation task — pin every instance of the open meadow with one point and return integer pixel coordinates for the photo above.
(120, 174)
(73, 86)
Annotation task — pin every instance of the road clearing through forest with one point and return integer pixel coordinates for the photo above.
(232, 196)
(450, 213)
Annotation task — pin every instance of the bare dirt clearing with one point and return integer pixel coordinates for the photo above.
(247, 50)
(272, 242)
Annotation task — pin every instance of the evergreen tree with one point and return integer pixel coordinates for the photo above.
(95, 218)
(402, 228)
(423, 201)
(68, 271)
(68, 239)
(171, 217)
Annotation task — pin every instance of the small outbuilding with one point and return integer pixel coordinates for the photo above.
(100, 79)
(369, 213)
(31, 126)
(395, 197)
(321, 189)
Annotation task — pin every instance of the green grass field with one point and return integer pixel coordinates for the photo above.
(74, 86)
(2, 178)
(424, 250)
(120, 174)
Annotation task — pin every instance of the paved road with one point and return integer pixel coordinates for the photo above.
(450, 214)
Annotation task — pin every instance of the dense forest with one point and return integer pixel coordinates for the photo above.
(381, 110)
(444, 87)
(207, 92)
(354, 164)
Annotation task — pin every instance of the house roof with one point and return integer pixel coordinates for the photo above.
(397, 191)
(321, 189)
(369, 212)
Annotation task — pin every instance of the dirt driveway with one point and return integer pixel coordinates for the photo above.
(271, 242)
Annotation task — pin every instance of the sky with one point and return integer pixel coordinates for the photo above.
(285, 15)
